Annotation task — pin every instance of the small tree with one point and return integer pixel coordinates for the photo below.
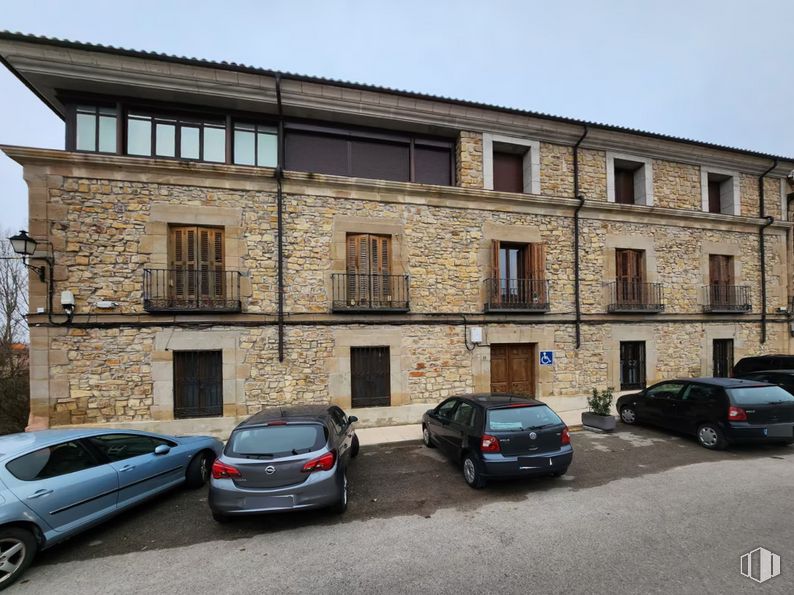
(600, 402)
(14, 380)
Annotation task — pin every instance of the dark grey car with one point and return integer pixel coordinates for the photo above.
(284, 458)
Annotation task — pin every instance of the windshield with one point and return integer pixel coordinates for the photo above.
(521, 418)
(759, 395)
(270, 441)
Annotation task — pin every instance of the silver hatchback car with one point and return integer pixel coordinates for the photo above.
(284, 458)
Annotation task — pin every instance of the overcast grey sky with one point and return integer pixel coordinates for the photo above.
(718, 71)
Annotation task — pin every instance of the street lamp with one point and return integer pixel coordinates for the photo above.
(25, 246)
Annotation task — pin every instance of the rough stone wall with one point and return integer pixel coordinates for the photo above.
(750, 198)
(593, 174)
(676, 185)
(556, 170)
(469, 160)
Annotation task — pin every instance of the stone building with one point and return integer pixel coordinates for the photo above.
(236, 238)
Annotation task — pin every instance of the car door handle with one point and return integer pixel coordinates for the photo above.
(126, 468)
(39, 494)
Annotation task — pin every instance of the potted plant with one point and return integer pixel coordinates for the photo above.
(599, 416)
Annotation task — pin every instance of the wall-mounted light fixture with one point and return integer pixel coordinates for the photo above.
(25, 246)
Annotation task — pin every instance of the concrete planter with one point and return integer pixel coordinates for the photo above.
(605, 423)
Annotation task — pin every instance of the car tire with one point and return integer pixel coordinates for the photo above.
(628, 415)
(22, 543)
(710, 436)
(426, 437)
(472, 473)
(220, 518)
(354, 447)
(198, 471)
(341, 505)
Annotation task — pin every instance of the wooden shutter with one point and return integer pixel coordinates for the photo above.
(720, 269)
(629, 275)
(196, 263)
(496, 274)
(536, 261)
(183, 266)
(624, 186)
(715, 204)
(368, 268)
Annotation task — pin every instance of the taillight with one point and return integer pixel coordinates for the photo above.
(736, 414)
(323, 463)
(490, 444)
(221, 470)
(566, 436)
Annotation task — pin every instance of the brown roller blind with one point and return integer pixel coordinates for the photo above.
(508, 172)
(624, 186)
(380, 160)
(715, 205)
(432, 165)
(318, 153)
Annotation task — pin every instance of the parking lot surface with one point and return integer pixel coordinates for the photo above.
(632, 504)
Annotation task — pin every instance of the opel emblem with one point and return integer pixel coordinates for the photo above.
(270, 469)
(533, 435)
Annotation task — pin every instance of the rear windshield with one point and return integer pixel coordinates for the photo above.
(271, 441)
(759, 395)
(521, 418)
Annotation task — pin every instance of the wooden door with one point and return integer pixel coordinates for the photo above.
(198, 384)
(513, 368)
(629, 276)
(721, 286)
(196, 265)
(370, 377)
(369, 280)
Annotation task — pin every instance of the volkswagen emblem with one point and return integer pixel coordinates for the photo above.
(270, 469)
(533, 435)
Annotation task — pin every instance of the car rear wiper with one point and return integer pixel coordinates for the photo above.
(540, 427)
(297, 451)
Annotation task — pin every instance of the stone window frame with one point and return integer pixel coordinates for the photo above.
(234, 369)
(722, 249)
(619, 242)
(338, 365)
(531, 162)
(730, 202)
(619, 334)
(504, 232)
(643, 183)
(162, 216)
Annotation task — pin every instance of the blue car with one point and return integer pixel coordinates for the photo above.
(56, 483)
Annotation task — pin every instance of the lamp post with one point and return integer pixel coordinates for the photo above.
(25, 246)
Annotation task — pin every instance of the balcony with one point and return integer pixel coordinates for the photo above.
(634, 296)
(726, 298)
(369, 293)
(516, 295)
(184, 290)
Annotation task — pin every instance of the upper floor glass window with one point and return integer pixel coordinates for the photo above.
(255, 144)
(164, 136)
(95, 128)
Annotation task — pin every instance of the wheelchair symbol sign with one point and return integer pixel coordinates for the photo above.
(546, 358)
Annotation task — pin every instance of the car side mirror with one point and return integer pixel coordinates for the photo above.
(162, 449)
(351, 419)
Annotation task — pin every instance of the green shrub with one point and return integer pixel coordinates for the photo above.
(600, 402)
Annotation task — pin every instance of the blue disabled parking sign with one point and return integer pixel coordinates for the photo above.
(546, 358)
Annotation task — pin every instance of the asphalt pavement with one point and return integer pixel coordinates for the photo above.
(638, 512)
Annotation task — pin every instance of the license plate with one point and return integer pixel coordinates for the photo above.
(780, 431)
(257, 502)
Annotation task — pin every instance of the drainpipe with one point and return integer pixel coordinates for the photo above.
(576, 288)
(279, 174)
(762, 250)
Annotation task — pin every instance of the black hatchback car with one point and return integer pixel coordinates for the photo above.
(718, 411)
(783, 378)
(758, 363)
(499, 436)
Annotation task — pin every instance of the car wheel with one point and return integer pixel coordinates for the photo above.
(198, 472)
(710, 436)
(471, 472)
(628, 415)
(426, 438)
(341, 505)
(355, 447)
(220, 518)
(17, 548)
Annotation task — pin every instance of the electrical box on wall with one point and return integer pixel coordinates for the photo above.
(475, 334)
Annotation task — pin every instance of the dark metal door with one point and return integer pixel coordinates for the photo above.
(632, 364)
(198, 384)
(370, 377)
(723, 357)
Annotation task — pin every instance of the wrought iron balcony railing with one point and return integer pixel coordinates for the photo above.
(189, 290)
(633, 296)
(726, 298)
(516, 295)
(370, 293)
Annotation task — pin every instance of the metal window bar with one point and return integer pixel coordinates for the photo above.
(726, 298)
(531, 295)
(189, 290)
(352, 291)
(632, 296)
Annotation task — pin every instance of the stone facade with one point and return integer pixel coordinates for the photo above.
(469, 160)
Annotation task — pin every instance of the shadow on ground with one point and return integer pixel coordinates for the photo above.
(397, 479)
